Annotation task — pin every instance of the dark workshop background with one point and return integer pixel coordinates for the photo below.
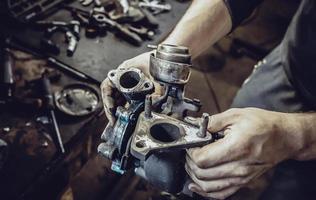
(33, 171)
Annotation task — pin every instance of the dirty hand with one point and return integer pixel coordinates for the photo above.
(112, 98)
(255, 141)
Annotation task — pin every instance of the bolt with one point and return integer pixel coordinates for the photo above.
(203, 125)
(152, 46)
(148, 104)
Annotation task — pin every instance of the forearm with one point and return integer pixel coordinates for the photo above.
(204, 23)
(303, 129)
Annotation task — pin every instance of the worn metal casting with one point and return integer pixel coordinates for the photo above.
(150, 133)
(161, 133)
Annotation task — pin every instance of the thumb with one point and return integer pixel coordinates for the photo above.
(107, 99)
(220, 121)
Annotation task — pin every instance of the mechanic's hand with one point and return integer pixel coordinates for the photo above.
(112, 98)
(255, 141)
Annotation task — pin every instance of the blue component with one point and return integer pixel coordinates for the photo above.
(115, 167)
(124, 117)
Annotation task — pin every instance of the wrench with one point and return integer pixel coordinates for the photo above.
(163, 7)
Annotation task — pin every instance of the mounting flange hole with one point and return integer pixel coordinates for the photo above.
(140, 144)
(146, 85)
(165, 132)
(129, 79)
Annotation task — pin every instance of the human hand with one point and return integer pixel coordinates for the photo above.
(110, 95)
(255, 141)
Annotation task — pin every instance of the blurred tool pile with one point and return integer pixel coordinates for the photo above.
(39, 90)
(132, 21)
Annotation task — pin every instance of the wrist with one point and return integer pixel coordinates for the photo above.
(300, 135)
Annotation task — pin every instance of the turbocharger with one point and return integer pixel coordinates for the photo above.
(150, 136)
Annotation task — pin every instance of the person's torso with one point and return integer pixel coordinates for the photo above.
(299, 47)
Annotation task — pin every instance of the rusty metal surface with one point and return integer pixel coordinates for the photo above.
(161, 133)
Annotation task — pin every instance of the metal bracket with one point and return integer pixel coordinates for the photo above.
(131, 82)
(160, 133)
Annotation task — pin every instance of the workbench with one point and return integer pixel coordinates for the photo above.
(34, 169)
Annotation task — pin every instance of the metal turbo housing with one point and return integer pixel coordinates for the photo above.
(150, 135)
(131, 82)
(134, 85)
(171, 64)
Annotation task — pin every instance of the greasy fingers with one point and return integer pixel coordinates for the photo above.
(108, 101)
(220, 121)
(222, 194)
(255, 141)
(219, 152)
(226, 170)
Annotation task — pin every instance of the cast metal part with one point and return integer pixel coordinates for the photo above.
(171, 64)
(161, 133)
(116, 146)
(131, 82)
(134, 85)
(203, 125)
(151, 135)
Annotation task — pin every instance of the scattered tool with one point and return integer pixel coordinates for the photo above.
(101, 21)
(49, 106)
(127, 21)
(155, 6)
(143, 32)
(86, 2)
(20, 45)
(8, 99)
(71, 31)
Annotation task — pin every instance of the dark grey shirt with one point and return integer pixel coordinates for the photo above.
(299, 51)
(298, 46)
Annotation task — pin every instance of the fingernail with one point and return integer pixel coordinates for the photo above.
(186, 168)
(191, 187)
(189, 151)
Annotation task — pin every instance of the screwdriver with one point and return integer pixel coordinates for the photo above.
(48, 102)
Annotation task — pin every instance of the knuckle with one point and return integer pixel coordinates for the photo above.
(234, 110)
(199, 161)
(244, 181)
(242, 171)
(204, 187)
(219, 196)
(238, 181)
(124, 64)
(246, 150)
(228, 184)
(220, 173)
(104, 83)
(221, 186)
(199, 174)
